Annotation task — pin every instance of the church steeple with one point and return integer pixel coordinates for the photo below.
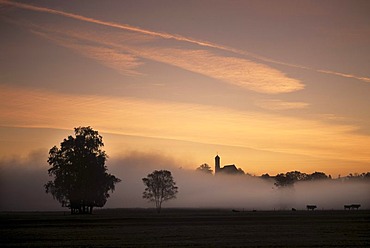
(217, 164)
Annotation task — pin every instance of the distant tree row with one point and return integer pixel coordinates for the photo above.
(357, 176)
(289, 178)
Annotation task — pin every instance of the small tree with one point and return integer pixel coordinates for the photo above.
(81, 181)
(205, 168)
(160, 187)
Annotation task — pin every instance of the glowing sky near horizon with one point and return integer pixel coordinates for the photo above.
(272, 86)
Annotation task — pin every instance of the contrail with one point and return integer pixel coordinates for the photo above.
(365, 79)
(115, 25)
(175, 37)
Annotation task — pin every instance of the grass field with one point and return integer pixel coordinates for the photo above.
(186, 228)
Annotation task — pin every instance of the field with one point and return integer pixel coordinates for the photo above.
(186, 228)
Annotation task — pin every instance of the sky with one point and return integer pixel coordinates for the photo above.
(270, 86)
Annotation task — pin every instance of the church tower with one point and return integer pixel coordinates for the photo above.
(217, 164)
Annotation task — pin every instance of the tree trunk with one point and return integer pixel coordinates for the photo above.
(159, 207)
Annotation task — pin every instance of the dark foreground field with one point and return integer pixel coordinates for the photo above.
(179, 227)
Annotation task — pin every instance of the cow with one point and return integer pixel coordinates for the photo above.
(347, 207)
(311, 207)
(352, 206)
(355, 206)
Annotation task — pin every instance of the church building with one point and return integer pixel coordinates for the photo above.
(227, 169)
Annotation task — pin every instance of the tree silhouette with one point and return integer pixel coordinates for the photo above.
(160, 187)
(289, 178)
(205, 168)
(358, 177)
(265, 176)
(317, 176)
(81, 181)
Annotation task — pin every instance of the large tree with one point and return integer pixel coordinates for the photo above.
(81, 181)
(160, 187)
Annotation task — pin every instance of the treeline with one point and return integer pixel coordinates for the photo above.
(291, 177)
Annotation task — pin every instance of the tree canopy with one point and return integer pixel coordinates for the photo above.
(289, 178)
(205, 168)
(160, 187)
(81, 181)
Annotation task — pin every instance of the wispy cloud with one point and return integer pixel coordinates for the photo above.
(275, 104)
(333, 117)
(240, 72)
(195, 123)
(124, 57)
(174, 37)
(120, 61)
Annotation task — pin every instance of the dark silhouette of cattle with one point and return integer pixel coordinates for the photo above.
(293, 209)
(311, 207)
(352, 206)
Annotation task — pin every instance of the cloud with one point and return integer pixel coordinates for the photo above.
(180, 38)
(193, 122)
(333, 117)
(236, 71)
(110, 51)
(275, 104)
(122, 62)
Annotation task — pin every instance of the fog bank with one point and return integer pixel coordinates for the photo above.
(22, 180)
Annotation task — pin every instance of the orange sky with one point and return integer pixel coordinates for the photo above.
(270, 86)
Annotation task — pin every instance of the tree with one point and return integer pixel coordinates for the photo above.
(317, 176)
(289, 178)
(81, 181)
(160, 187)
(281, 180)
(265, 176)
(205, 168)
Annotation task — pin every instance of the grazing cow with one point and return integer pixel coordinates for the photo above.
(311, 207)
(347, 207)
(355, 206)
(352, 206)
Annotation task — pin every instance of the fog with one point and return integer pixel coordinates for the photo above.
(22, 180)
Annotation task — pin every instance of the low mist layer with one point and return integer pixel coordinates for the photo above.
(21, 187)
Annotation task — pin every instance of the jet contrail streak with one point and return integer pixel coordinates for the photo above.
(365, 79)
(172, 36)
